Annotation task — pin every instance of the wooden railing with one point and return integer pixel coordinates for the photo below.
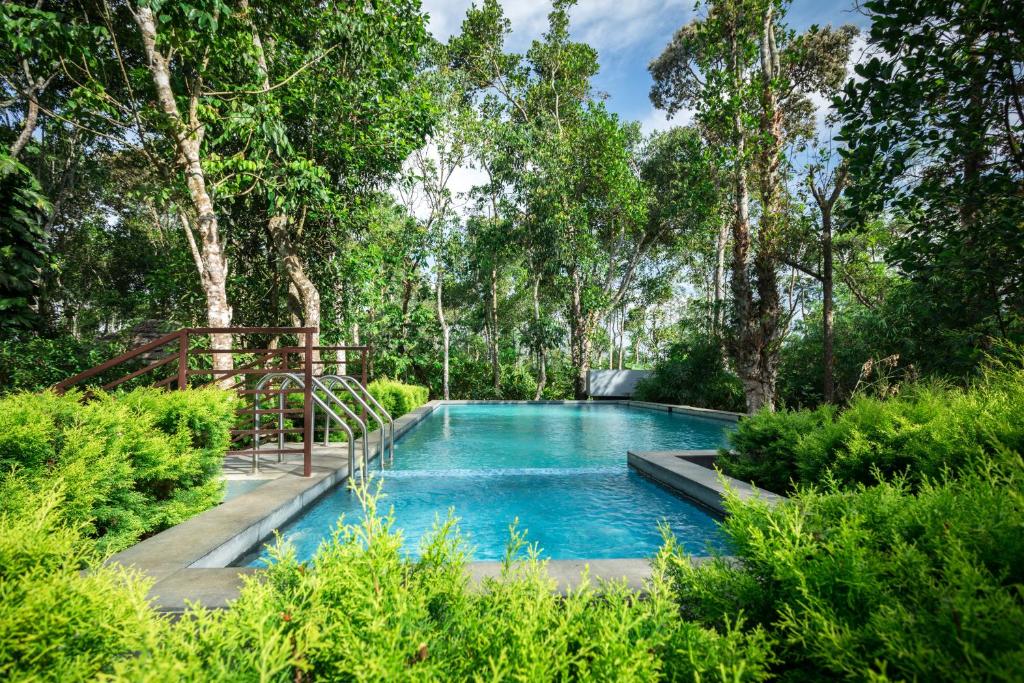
(183, 361)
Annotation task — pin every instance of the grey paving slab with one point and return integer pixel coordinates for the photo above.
(706, 486)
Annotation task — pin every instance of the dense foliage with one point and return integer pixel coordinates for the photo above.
(129, 465)
(693, 373)
(924, 432)
(259, 162)
(889, 581)
(885, 582)
(396, 397)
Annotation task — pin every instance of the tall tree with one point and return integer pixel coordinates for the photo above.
(934, 124)
(748, 79)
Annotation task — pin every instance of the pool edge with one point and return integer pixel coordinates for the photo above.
(707, 486)
(188, 561)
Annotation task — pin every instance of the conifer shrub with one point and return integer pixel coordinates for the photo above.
(925, 430)
(361, 610)
(58, 622)
(882, 582)
(130, 464)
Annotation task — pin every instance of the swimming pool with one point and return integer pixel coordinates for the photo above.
(559, 469)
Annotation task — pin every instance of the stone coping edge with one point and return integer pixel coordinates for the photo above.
(704, 485)
(188, 561)
(217, 588)
(709, 413)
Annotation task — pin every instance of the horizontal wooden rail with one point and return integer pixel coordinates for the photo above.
(268, 411)
(252, 330)
(141, 371)
(268, 432)
(117, 360)
(278, 351)
(269, 392)
(252, 359)
(192, 372)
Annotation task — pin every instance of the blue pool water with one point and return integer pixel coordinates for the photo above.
(559, 469)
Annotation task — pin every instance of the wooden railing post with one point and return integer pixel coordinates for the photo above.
(183, 360)
(307, 408)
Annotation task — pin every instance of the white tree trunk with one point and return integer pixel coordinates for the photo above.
(307, 294)
(445, 333)
(209, 252)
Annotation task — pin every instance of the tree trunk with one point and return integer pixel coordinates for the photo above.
(622, 336)
(581, 361)
(209, 253)
(743, 339)
(766, 259)
(542, 371)
(28, 126)
(579, 337)
(718, 312)
(826, 305)
(493, 312)
(406, 300)
(826, 202)
(445, 334)
(611, 341)
(307, 294)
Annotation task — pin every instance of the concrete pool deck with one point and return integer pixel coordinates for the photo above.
(190, 562)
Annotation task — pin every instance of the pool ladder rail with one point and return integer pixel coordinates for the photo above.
(372, 407)
(325, 384)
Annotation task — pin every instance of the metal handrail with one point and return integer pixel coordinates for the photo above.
(317, 401)
(343, 380)
(349, 382)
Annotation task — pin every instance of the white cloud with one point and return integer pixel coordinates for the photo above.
(604, 24)
(657, 120)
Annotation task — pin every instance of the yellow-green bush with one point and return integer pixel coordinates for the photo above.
(58, 623)
(398, 398)
(362, 611)
(131, 464)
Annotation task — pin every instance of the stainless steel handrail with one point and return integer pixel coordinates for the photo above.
(348, 382)
(317, 402)
(318, 385)
(366, 392)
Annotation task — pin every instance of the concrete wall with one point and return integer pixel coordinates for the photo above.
(614, 383)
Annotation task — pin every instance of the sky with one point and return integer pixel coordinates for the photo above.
(627, 34)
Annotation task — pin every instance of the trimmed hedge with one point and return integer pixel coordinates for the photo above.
(130, 464)
(398, 398)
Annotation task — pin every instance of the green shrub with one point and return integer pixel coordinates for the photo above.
(398, 398)
(693, 374)
(880, 582)
(131, 464)
(763, 447)
(925, 430)
(58, 623)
